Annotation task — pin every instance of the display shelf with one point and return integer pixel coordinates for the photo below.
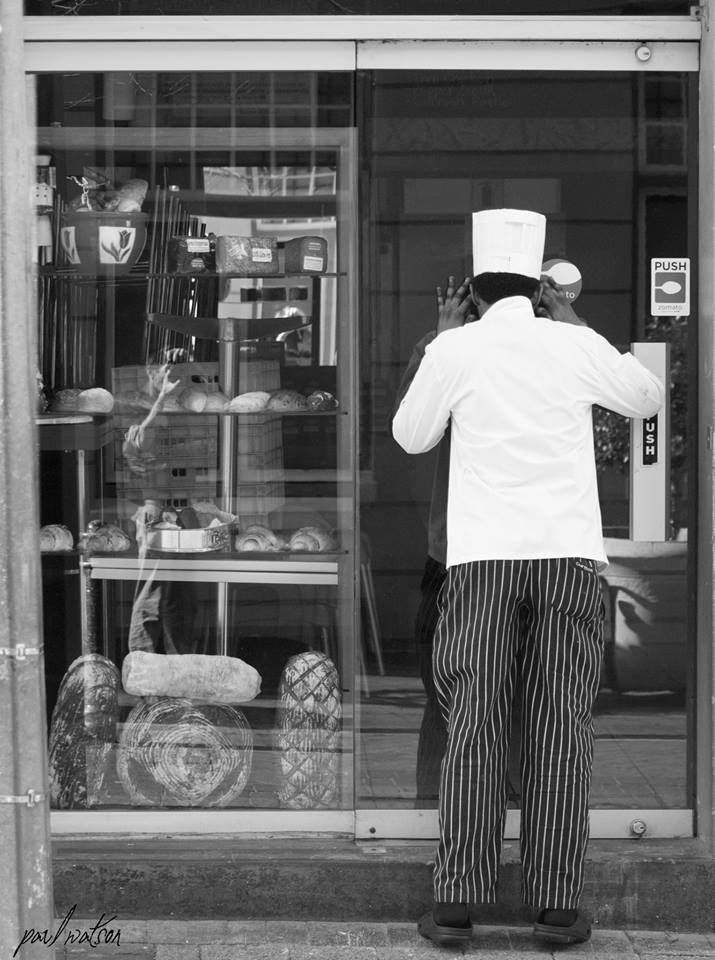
(73, 431)
(141, 271)
(225, 329)
(226, 568)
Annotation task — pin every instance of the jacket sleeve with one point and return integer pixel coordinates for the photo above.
(423, 415)
(415, 360)
(623, 384)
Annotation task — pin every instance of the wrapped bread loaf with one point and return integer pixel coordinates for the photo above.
(249, 402)
(259, 538)
(247, 256)
(194, 676)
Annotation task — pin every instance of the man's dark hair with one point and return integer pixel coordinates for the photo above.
(495, 286)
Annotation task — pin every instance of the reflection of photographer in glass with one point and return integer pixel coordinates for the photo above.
(163, 611)
(139, 449)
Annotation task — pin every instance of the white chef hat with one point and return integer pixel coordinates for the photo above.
(508, 241)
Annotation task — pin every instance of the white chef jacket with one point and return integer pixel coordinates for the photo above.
(519, 390)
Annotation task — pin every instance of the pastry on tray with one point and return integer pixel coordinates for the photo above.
(312, 539)
(259, 538)
(54, 537)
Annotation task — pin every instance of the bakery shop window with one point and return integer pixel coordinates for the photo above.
(196, 416)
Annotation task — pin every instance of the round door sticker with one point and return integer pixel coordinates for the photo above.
(566, 274)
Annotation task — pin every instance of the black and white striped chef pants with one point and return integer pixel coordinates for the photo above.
(541, 620)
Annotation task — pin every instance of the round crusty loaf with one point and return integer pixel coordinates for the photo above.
(215, 402)
(95, 400)
(194, 400)
(104, 538)
(65, 400)
(287, 400)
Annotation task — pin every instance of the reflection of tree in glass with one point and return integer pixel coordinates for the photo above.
(611, 432)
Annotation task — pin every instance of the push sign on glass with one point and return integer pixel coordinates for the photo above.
(670, 287)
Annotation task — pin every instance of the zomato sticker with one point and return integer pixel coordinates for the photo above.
(566, 274)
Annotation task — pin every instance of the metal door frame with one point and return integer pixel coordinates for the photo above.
(346, 43)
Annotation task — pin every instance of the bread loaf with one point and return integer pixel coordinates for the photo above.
(216, 402)
(249, 402)
(176, 753)
(247, 256)
(193, 399)
(131, 196)
(83, 733)
(308, 731)
(321, 400)
(95, 400)
(104, 538)
(65, 400)
(195, 676)
(306, 255)
(283, 400)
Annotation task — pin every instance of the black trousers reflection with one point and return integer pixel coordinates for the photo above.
(433, 732)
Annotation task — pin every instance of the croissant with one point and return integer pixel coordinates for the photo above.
(312, 539)
(55, 536)
(260, 538)
(104, 537)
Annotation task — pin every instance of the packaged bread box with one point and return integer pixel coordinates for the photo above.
(191, 254)
(306, 255)
(247, 256)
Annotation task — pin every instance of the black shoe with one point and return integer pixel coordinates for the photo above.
(577, 932)
(441, 935)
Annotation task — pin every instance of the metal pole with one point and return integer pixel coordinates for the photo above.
(25, 853)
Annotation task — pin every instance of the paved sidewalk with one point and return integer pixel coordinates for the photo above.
(308, 940)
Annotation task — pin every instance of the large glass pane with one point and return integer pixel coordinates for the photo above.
(195, 274)
(607, 159)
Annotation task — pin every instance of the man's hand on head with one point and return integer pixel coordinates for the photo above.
(554, 303)
(454, 305)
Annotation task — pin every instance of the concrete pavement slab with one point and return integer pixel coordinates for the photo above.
(312, 940)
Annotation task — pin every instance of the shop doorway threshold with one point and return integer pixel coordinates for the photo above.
(630, 884)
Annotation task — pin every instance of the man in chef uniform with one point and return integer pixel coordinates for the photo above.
(522, 599)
